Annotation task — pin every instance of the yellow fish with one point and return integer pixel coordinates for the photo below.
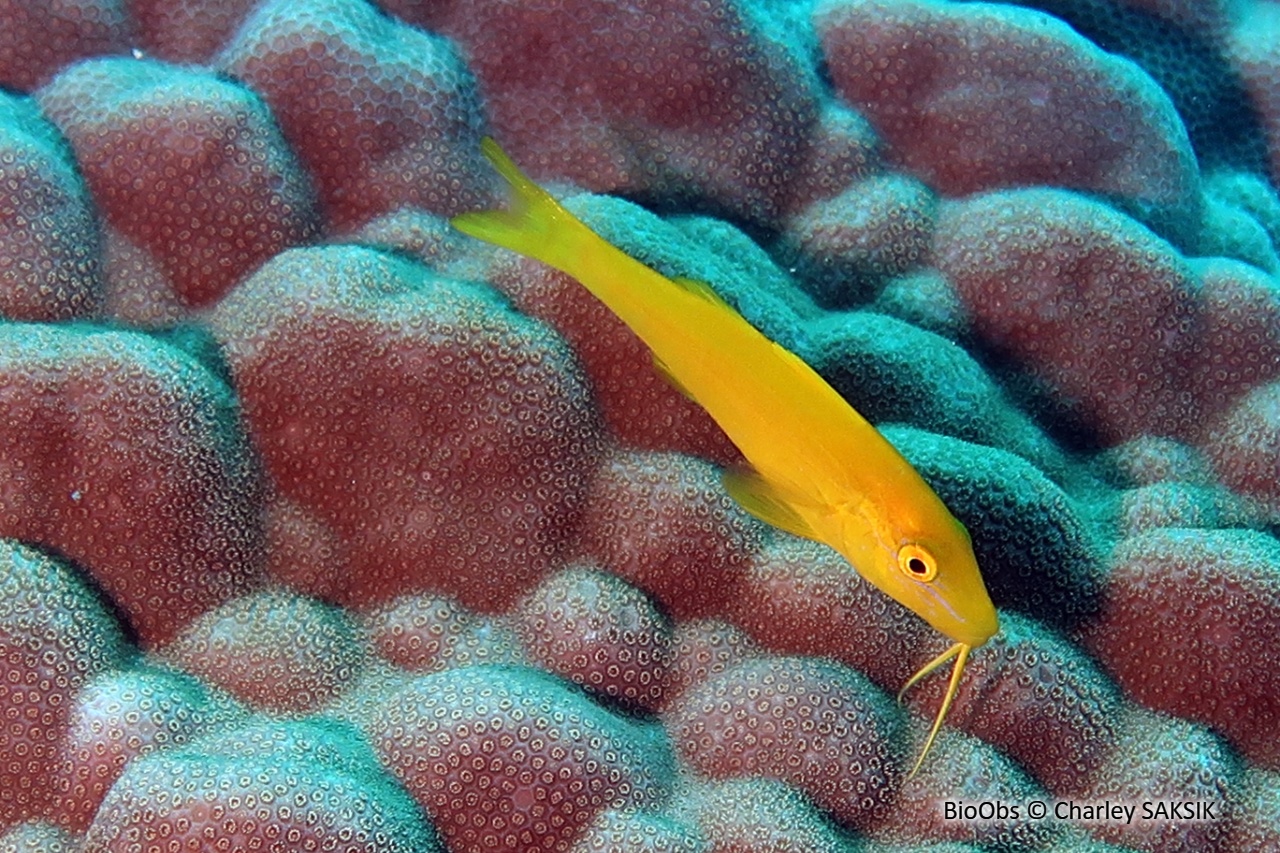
(818, 469)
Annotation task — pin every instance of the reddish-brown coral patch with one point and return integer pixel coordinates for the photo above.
(443, 440)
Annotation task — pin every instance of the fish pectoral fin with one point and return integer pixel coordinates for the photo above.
(766, 502)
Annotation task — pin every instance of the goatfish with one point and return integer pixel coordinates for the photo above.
(816, 468)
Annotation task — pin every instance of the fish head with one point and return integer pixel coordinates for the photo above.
(930, 569)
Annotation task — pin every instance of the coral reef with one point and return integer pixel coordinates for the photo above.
(323, 527)
(1034, 102)
(301, 785)
(46, 274)
(513, 758)
(190, 174)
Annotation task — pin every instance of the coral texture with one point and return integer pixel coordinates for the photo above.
(326, 527)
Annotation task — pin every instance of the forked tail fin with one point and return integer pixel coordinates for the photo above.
(533, 224)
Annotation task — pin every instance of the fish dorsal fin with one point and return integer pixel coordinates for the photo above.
(766, 502)
(704, 290)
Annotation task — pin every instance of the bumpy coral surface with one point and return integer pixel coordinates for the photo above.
(190, 171)
(325, 527)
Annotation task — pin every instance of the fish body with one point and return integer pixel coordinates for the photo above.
(818, 469)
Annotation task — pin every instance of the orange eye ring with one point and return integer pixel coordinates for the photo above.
(917, 563)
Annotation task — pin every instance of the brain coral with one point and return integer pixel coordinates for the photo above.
(325, 527)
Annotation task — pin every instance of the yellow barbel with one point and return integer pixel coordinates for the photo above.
(818, 468)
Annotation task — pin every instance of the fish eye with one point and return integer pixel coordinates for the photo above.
(917, 563)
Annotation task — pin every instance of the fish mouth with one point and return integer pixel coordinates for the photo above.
(961, 629)
(973, 641)
(966, 635)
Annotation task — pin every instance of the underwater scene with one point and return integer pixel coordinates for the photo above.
(683, 426)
